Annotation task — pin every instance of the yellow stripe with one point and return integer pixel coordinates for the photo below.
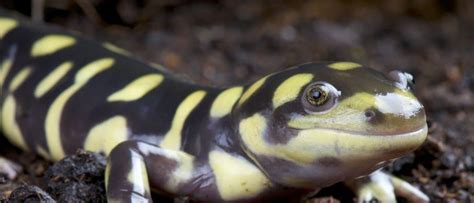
(172, 139)
(137, 88)
(10, 126)
(50, 44)
(42, 152)
(224, 102)
(236, 178)
(312, 144)
(116, 49)
(349, 114)
(92, 69)
(106, 135)
(251, 90)
(252, 130)
(107, 175)
(53, 118)
(52, 79)
(138, 176)
(344, 65)
(6, 24)
(5, 68)
(290, 88)
(159, 67)
(19, 79)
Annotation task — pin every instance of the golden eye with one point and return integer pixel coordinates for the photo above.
(317, 95)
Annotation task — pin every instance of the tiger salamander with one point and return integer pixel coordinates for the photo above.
(285, 135)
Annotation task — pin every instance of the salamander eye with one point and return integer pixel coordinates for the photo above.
(319, 97)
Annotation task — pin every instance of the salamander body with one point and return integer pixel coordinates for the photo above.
(284, 135)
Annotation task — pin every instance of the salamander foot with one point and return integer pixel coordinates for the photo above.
(384, 188)
(9, 169)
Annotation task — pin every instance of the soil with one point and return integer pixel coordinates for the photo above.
(234, 41)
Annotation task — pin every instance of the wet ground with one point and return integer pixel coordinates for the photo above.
(233, 42)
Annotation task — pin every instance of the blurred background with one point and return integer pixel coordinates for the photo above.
(226, 42)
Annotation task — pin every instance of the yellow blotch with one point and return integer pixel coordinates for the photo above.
(19, 79)
(251, 131)
(348, 114)
(10, 126)
(251, 90)
(53, 117)
(182, 173)
(6, 24)
(5, 69)
(116, 49)
(172, 139)
(50, 44)
(290, 88)
(137, 88)
(52, 79)
(106, 135)
(344, 65)
(224, 102)
(359, 101)
(236, 178)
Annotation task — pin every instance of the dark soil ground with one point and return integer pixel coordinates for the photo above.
(232, 41)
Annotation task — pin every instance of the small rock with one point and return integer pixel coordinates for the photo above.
(469, 163)
(448, 160)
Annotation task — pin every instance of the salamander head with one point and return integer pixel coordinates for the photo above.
(317, 124)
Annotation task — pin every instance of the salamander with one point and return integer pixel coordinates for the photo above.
(284, 136)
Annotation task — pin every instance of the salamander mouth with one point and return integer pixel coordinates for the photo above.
(415, 132)
(392, 145)
(344, 142)
(412, 130)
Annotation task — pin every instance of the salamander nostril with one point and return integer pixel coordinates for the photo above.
(369, 114)
(374, 116)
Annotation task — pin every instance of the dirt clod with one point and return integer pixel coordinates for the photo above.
(77, 178)
(29, 194)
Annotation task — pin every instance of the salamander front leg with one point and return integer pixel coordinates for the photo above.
(383, 187)
(9, 168)
(134, 165)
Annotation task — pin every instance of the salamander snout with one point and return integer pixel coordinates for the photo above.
(402, 80)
